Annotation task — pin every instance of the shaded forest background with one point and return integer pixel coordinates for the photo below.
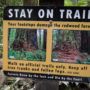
(27, 44)
(71, 46)
(22, 84)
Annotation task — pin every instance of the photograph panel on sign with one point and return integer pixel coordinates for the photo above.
(27, 44)
(71, 46)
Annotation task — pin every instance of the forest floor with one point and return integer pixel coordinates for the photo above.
(33, 54)
(70, 55)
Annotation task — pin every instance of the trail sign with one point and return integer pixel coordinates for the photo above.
(47, 42)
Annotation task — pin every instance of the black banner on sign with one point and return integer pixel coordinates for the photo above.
(47, 13)
(45, 76)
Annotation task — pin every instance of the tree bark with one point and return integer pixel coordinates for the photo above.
(30, 2)
(88, 3)
(85, 40)
(52, 2)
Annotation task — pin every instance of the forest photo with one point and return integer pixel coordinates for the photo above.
(71, 46)
(27, 44)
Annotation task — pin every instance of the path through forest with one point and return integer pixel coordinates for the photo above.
(70, 55)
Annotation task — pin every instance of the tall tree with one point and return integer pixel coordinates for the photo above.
(85, 39)
(30, 2)
(52, 2)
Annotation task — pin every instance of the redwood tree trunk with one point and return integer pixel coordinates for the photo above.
(52, 2)
(85, 40)
(30, 2)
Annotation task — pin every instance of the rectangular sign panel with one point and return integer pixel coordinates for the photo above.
(47, 42)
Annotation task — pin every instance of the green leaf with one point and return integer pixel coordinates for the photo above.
(82, 3)
(67, 3)
(88, 59)
(54, 55)
(10, 53)
(79, 61)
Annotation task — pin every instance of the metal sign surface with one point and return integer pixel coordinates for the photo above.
(47, 42)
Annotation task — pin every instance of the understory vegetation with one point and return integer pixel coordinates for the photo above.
(27, 55)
